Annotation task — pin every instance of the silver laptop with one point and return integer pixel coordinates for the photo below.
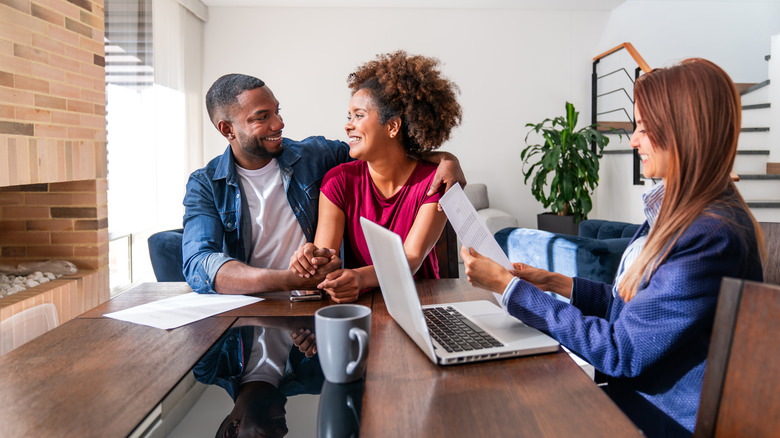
(490, 332)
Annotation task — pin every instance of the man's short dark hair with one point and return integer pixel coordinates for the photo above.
(225, 90)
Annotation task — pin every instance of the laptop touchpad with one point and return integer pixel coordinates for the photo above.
(503, 326)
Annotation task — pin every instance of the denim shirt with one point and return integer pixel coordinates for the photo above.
(216, 229)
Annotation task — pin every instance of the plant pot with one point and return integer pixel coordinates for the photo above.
(557, 224)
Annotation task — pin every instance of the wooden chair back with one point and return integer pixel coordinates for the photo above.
(447, 252)
(741, 389)
(771, 231)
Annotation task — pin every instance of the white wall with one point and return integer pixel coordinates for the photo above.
(734, 34)
(513, 67)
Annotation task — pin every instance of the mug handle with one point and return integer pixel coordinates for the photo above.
(362, 338)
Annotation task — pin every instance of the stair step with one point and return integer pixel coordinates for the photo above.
(765, 211)
(759, 186)
(753, 152)
(757, 115)
(618, 151)
(763, 204)
(756, 106)
(758, 86)
(742, 86)
(753, 140)
(760, 177)
(758, 95)
(751, 161)
(761, 129)
(625, 128)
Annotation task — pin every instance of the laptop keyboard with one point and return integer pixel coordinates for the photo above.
(455, 332)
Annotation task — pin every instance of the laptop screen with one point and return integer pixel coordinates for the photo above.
(397, 284)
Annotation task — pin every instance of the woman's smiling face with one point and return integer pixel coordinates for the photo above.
(655, 161)
(363, 128)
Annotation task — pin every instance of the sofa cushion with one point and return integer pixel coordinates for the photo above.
(601, 229)
(477, 194)
(496, 219)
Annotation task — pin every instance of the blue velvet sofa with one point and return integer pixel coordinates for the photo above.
(593, 254)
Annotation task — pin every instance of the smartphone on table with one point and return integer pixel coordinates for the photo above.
(305, 295)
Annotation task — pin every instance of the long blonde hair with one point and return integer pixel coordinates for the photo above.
(693, 111)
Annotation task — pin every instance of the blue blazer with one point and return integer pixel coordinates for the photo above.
(653, 348)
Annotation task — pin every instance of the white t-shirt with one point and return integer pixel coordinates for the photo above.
(268, 358)
(275, 230)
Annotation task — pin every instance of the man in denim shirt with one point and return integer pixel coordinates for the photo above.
(239, 231)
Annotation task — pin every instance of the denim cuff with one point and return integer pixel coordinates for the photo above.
(212, 263)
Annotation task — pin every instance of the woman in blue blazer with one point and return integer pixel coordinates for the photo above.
(649, 332)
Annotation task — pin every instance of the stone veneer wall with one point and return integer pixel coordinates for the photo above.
(53, 143)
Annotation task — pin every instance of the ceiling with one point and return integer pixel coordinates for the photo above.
(452, 4)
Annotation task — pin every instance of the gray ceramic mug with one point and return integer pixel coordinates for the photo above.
(342, 332)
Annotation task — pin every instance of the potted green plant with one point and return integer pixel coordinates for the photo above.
(569, 156)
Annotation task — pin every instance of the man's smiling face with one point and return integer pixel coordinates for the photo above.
(258, 126)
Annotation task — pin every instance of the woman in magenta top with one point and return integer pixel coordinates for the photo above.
(401, 107)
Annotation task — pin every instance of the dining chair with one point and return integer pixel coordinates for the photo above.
(740, 396)
(447, 252)
(771, 231)
(165, 254)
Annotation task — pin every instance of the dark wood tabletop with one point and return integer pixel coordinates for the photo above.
(273, 304)
(95, 376)
(542, 395)
(140, 294)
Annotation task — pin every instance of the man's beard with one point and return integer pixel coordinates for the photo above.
(252, 146)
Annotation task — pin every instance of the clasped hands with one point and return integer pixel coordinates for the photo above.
(343, 285)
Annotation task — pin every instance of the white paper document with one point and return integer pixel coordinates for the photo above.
(180, 310)
(469, 226)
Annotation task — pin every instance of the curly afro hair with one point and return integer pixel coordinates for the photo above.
(411, 88)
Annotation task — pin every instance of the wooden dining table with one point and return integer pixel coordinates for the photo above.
(98, 377)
